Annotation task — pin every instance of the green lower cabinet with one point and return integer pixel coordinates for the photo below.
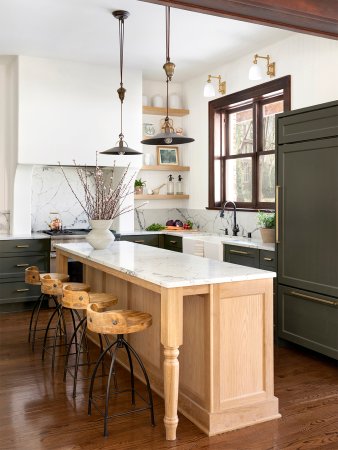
(245, 256)
(144, 239)
(173, 243)
(308, 319)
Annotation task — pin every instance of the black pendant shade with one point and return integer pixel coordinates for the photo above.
(121, 146)
(168, 135)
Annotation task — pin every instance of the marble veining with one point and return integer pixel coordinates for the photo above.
(164, 267)
(4, 222)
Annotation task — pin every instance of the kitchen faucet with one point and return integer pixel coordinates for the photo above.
(235, 228)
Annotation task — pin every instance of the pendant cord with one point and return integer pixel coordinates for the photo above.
(167, 35)
(121, 39)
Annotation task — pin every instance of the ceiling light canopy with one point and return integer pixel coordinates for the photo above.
(121, 146)
(209, 89)
(168, 135)
(255, 72)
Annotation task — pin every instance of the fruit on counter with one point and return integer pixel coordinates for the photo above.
(155, 227)
(170, 223)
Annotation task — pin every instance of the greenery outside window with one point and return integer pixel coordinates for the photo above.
(242, 145)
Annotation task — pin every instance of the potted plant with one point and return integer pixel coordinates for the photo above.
(102, 199)
(267, 222)
(139, 185)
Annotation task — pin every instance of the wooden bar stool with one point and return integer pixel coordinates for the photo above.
(76, 298)
(51, 285)
(104, 320)
(32, 277)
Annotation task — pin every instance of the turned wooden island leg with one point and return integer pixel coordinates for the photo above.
(61, 262)
(171, 338)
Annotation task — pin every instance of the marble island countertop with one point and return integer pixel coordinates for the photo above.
(10, 237)
(164, 267)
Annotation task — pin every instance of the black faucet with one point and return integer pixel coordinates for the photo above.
(235, 228)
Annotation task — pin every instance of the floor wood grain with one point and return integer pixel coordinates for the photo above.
(37, 411)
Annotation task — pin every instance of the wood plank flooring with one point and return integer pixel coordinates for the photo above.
(37, 411)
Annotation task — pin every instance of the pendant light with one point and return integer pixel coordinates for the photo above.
(168, 136)
(121, 146)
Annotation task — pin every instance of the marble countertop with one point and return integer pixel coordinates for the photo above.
(164, 267)
(9, 237)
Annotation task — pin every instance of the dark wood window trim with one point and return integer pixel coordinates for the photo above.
(256, 97)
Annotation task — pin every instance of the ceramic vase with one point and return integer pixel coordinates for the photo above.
(100, 237)
(268, 235)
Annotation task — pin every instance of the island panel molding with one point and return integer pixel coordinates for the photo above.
(199, 315)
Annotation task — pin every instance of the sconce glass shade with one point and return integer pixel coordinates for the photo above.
(255, 72)
(209, 90)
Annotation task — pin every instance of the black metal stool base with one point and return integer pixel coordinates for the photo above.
(121, 343)
(81, 347)
(33, 324)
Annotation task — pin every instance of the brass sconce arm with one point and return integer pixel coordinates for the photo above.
(270, 66)
(221, 84)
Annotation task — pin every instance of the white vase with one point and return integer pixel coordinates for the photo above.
(100, 237)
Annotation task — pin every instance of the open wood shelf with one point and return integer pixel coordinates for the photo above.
(160, 197)
(167, 167)
(163, 111)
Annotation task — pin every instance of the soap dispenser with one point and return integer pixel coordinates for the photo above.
(179, 186)
(170, 185)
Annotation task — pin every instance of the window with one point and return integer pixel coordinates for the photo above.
(242, 145)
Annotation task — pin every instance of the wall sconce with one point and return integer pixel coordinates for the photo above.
(209, 89)
(255, 72)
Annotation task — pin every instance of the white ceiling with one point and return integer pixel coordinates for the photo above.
(85, 30)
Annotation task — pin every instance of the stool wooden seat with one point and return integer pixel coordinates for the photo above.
(51, 283)
(76, 298)
(48, 292)
(32, 275)
(104, 319)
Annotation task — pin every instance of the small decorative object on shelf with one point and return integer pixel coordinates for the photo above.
(157, 101)
(148, 129)
(102, 200)
(267, 222)
(175, 101)
(170, 185)
(179, 186)
(167, 155)
(139, 185)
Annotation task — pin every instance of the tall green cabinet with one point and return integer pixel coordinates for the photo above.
(307, 227)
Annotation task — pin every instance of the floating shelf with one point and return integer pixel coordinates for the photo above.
(167, 167)
(163, 111)
(160, 197)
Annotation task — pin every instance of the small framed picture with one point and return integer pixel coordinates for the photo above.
(167, 155)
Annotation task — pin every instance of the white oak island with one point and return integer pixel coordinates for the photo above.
(218, 316)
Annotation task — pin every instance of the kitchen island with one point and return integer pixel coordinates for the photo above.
(220, 314)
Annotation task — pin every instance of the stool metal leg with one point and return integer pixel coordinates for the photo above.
(32, 316)
(106, 409)
(92, 380)
(83, 324)
(72, 339)
(47, 330)
(150, 395)
(42, 297)
(131, 373)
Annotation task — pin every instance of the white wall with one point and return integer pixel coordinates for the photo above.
(70, 110)
(312, 63)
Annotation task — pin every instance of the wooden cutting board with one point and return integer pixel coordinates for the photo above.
(179, 229)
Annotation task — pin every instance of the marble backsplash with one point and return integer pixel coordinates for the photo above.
(4, 222)
(206, 220)
(51, 193)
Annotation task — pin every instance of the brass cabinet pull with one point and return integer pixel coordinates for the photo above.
(314, 299)
(268, 259)
(173, 242)
(239, 252)
(22, 246)
(139, 242)
(22, 290)
(22, 265)
(277, 214)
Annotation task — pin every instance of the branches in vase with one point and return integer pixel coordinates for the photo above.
(102, 199)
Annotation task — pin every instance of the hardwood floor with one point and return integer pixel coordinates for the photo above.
(37, 411)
